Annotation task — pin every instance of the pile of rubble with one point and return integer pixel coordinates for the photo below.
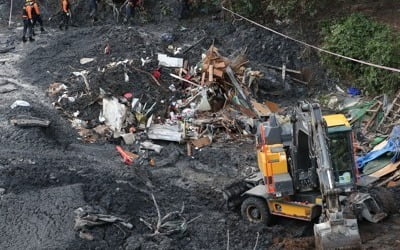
(376, 125)
(201, 103)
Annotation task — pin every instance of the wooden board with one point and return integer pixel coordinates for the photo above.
(380, 145)
(210, 73)
(262, 109)
(219, 73)
(273, 106)
(386, 170)
(202, 142)
(219, 65)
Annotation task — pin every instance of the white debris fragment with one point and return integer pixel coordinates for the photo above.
(136, 105)
(204, 105)
(128, 138)
(126, 77)
(151, 146)
(145, 61)
(86, 60)
(115, 64)
(167, 61)
(114, 113)
(165, 132)
(20, 103)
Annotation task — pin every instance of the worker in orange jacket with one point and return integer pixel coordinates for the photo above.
(66, 12)
(28, 21)
(36, 17)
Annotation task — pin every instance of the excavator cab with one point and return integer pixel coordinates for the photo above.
(340, 141)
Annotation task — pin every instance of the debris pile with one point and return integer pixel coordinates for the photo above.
(196, 104)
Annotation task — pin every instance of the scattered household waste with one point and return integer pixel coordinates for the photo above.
(195, 104)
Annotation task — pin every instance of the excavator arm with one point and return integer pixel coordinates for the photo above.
(334, 231)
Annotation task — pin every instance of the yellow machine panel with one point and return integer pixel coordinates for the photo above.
(336, 120)
(296, 210)
(272, 160)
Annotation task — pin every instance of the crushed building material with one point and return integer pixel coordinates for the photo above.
(173, 133)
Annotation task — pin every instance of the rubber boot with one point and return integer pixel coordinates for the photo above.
(60, 26)
(33, 33)
(31, 39)
(42, 30)
(24, 39)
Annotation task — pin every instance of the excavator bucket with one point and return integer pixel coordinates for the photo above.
(337, 235)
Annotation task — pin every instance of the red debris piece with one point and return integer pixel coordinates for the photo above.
(128, 95)
(127, 159)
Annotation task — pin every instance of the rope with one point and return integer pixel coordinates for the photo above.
(313, 46)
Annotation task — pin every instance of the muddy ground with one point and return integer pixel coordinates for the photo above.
(48, 173)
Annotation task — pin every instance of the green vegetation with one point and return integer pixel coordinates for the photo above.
(296, 8)
(292, 9)
(362, 38)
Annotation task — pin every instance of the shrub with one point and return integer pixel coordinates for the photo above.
(294, 9)
(363, 38)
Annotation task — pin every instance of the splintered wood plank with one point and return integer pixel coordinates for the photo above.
(220, 65)
(386, 170)
(219, 73)
(210, 73)
(203, 77)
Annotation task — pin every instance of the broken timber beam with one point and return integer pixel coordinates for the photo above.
(27, 121)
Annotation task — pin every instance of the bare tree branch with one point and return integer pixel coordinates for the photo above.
(258, 236)
(172, 222)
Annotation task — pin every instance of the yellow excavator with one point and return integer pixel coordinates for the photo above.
(308, 172)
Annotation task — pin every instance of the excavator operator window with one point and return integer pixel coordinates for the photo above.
(342, 157)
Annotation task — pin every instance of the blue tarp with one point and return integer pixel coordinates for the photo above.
(392, 146)
(353, 91)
